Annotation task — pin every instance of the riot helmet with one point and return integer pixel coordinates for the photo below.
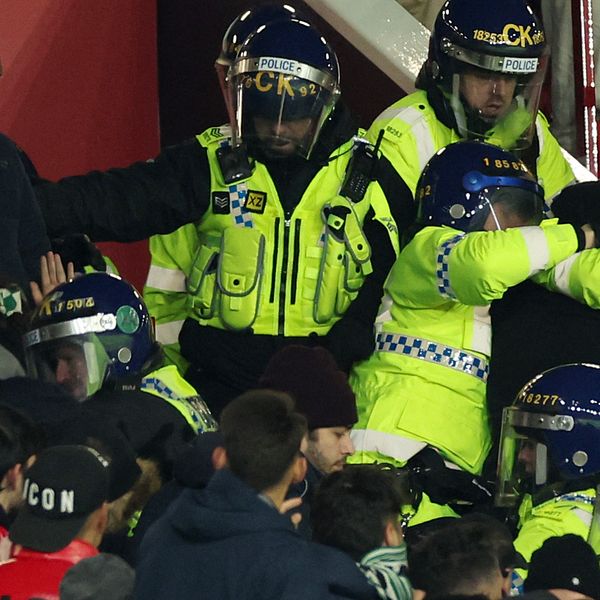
(284, 84)
(240, 28)
(473, 186)
(551, 433)
(489, 62)
(88, 331)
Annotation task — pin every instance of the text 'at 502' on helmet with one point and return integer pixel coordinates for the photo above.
(489, 61)
(284, 84)
(88, 331)
(551, 434)
(466, 182)
(240, 28)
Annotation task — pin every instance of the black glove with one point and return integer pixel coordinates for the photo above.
(350, 341)
(78, 249)
(447, 486)
(578, 204)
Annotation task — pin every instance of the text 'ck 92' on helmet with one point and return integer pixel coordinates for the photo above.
(474, 186)
(489, 60)
(240, 28)
(87, 331)
(284, 84)
(551, 433)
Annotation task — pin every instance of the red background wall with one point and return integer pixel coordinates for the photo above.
(80, 90)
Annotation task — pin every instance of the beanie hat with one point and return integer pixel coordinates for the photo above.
(567, 562)
(320, 389)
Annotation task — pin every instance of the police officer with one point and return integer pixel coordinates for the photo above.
(93, 336)
(421, 395)
(292, 233)
(549, 461)
(482, 80)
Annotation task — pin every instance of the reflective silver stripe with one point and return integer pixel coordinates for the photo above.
(446, 356)
(422, 133)
(562, 273)
(169, 280)
(388, 444)
(537, 248)
(443, 280)
(584, 515)
(168, 333)
(94, 324)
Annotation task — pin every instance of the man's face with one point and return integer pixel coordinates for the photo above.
(327, 448)
(488, 93)
(281, 138)
(70, 370)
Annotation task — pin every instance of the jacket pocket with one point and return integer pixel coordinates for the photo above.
(239, 276)
(201, 281)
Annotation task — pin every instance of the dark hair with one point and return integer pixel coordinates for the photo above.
(351, 508)
(20, 438)
(262, 435)
(453, 560)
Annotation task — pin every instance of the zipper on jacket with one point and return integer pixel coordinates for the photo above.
(286, 238)
(295, 261)
(275, 255)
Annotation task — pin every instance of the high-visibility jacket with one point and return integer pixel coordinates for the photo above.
(413, 134)
(168, 384)
(425, 382)
(568, 513)
(247, 264)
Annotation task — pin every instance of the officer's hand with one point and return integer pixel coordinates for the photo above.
(350, 341)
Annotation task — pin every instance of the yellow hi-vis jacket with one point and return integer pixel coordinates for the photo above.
(413, 134)
(425, 382)
(247, 264)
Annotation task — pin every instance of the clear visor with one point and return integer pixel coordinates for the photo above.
(78, 364)
(497, 98)
(523, 463)
(279, 112)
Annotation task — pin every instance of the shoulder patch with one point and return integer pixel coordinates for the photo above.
(256, 201)
(220, 203)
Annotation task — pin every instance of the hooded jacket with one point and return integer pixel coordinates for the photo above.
(228, 542)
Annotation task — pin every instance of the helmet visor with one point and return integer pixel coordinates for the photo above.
(280, 109)
(78, 364)
(496, 98)
(523, 463)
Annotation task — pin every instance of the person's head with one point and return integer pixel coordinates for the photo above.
(65, 495)
(20, 441)
(284, 84)
(457, 560)
(360, 509)
(566, 563)
(488, 62)
(474, 186)
(323, 395)
(98, 578)
(88, 331)
(551, 433)
(262, 434)
(240, 28)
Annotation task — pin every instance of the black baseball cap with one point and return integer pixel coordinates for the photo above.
(62, 489)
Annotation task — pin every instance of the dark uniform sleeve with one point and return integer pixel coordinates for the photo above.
(24, 237)
(132, 203)
(351, 339)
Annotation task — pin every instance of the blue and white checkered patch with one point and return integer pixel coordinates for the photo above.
(443, 281)
(237, 199)
(447, 356)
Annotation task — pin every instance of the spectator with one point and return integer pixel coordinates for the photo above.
(62, 521)
(20, 441)
(323, 395)
(457, 560)
(230, 538)
(567, 567)
(100, 577)
(360, 511)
